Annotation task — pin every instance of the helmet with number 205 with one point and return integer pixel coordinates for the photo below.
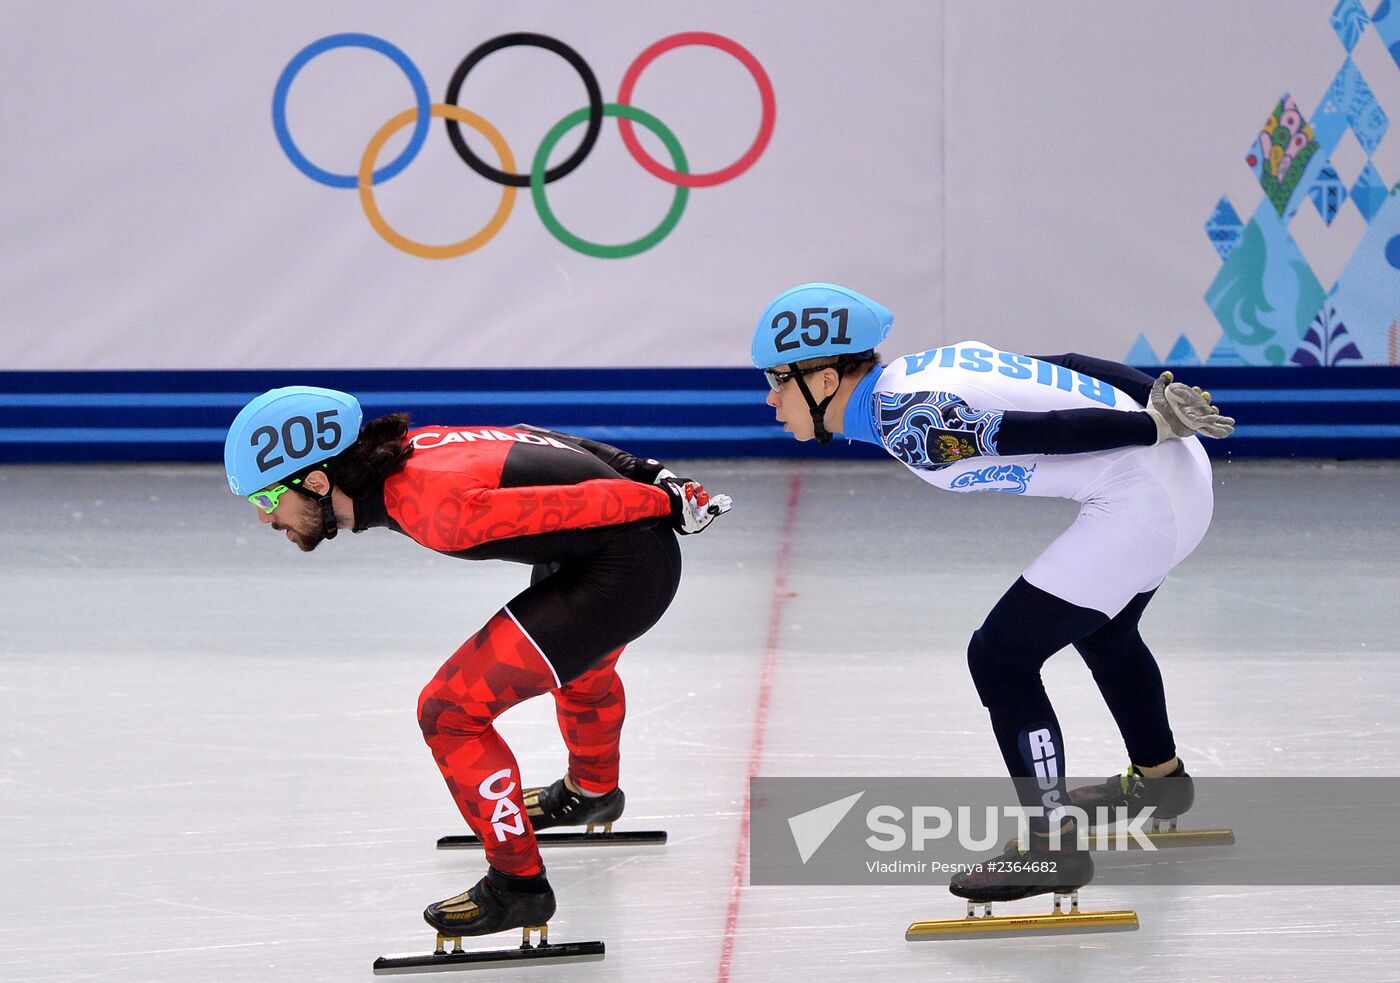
(815, 320)
(284, 431)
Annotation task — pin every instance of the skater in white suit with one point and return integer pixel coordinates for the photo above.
(968, 417)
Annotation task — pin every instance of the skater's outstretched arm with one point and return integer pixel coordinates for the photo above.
(1177, 410)
(934, 429)
(447, 511)
(454, 512)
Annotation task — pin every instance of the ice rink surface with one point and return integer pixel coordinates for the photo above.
(210, 767)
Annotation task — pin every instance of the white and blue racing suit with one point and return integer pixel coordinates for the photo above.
(970, 418)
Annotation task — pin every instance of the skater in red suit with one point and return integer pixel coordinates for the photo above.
(597, 525)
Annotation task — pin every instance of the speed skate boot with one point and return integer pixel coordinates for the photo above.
(560, 805)
(1169, 796)
(495, 903)
(1019, 872)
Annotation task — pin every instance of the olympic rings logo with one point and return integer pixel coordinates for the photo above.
(540, 175)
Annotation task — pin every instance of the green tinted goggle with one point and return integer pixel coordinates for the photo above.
(267, 500)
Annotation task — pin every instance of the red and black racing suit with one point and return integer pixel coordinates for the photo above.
(585, 515)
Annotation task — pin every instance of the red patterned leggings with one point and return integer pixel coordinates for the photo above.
(570, 625)
(496, 669)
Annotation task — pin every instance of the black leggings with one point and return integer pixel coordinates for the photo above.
(1026, 627)
(581, 610)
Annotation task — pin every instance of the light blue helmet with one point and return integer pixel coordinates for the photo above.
(284, 431)
(818, 319)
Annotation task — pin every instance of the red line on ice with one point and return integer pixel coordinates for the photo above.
(760, 726)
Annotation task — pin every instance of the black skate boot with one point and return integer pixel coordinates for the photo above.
(1023, 873)
(1170, 796)
(559, 805)
(495, 903)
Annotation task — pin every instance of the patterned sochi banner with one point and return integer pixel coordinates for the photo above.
(1271, 306)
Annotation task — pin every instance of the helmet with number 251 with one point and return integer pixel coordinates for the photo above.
(284, 431)
(815, 320)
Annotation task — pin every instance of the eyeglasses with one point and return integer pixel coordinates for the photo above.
(267, 500)
(777, 380)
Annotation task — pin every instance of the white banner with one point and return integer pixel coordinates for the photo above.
(154, 219)
(1040, 176)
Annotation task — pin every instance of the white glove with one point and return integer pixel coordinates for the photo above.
(692, 508)
(1180, 410)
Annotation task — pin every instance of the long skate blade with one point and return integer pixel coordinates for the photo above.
(564, 952)
(648, 837)
(1108, 840)
(1164, 840)
(1012, 926)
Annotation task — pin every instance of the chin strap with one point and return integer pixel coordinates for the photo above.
(328, 514)
(818, 410)
(327, 506)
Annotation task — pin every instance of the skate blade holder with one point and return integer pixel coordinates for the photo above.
(456, 959)
(597, 834)
(1057, 922)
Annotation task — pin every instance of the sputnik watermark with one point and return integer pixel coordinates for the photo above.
(1117, 829)
(931, 823)
(829, 831)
